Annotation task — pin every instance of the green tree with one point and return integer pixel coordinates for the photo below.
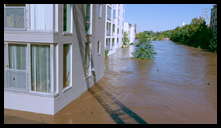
(125, 40)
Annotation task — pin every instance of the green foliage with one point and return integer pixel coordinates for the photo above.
(106, 53)
(125, 40)
(143, 50)
(213, 44)
(196, 34)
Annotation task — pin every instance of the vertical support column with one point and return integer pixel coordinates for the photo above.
(105, 24)
(28, 67)
(52, 70)
(6, 62)
(59, 67)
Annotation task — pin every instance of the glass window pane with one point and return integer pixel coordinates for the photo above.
(40, 68)
(14, 17)
(67, 18)
(21, 57)
(109, 13)
(11, 53)
(87, 17)
(17, 56)
(67, 65)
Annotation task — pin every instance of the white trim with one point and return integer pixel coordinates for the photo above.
(29, 67)
(52, 68)
(57, 69)
(67, 33)
(30, 36)
(66, 89)
(51, 74)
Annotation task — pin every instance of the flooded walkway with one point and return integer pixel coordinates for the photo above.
(178, 86)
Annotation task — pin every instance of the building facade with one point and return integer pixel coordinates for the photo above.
(213, 19)
(43, 68)
(113, 27)
(130, 29)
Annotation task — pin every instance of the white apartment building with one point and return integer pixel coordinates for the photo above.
(130, 29)
(114, 27)
(43, 66)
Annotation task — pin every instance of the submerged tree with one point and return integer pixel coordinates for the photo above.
(144, 49)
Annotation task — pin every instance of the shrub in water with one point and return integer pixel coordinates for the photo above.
(143, 50)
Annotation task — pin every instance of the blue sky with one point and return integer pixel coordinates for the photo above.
(160, 17)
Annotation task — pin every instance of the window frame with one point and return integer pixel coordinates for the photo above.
(54, 88)
(25, 15)
(50, 72)
(7, 68)
(26, 52)
(64, 89)
(71, 19)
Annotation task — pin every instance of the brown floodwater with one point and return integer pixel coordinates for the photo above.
(179, 85)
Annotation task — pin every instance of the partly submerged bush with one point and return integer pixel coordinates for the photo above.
(143, 50)
(106, 53)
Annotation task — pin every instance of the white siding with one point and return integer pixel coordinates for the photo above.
(27, 102)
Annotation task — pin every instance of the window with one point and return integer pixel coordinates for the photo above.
(14, 16)
(40, 68)
(99, 13)
(88, 18)
(17, 56)
(108, 43)
(113, 29)
(114, 14)
(67, 65)
(98, 48)
(108, 13)
(108, 29)
(16, 71)
(67, 18)
(113, 43)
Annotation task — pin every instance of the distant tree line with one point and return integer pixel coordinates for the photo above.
(195, 34)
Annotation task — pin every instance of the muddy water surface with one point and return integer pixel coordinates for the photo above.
(178, 86)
